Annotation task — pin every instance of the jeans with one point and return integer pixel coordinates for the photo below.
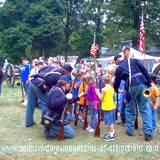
(154, 118)
(25, 86)
(70, 117)
(120, 101)
(144, 108)
(68, 131)
(35, 95)
(94, 120)
(123, 118)
(121, 107)
(109, 117)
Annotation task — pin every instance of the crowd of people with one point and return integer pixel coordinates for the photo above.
(115, 94)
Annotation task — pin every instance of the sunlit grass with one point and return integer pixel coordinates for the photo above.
(13, 132)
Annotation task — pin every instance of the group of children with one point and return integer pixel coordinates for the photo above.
(104, 96)
(108, 100)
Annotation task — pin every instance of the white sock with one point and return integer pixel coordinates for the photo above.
(112, 133)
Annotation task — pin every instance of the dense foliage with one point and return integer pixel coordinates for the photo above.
(31, 28)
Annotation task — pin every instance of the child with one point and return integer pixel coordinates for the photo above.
(83, 101)
(154, 101)
(93, 100)
(1, 78)
(108, 106)
(78, 81)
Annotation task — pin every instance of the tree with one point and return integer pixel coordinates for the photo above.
(31, 28)
(123, 21)
(27, 28)
(44, 27)
(92, 21)
(72, 9)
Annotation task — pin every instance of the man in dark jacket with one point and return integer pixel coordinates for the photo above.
(57, 100)
(39, 88)
(139, 81)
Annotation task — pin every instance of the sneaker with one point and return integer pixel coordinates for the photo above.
(88, 128)
(24, 103)
(109, 138)
(148, 137)
(91, 130)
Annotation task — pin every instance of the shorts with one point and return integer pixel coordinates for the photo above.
(109, 117)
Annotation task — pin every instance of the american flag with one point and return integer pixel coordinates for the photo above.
(94, 49)
(142, 37)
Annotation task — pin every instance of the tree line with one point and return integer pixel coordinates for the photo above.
(31, 28)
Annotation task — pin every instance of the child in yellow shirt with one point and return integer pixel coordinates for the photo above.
(108, 107)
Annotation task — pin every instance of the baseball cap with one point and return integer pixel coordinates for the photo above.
(67, 67)
(65, 78)
(116, 57)
(125, 48)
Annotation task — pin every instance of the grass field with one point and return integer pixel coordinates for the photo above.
(20, 143)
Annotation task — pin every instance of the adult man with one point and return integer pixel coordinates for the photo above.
(25, 70)
(53, 62)
(137, 80)
(55, 107)
(121, 105)
(35, 69)
(38, 89)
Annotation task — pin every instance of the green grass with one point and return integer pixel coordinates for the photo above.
(13, 132)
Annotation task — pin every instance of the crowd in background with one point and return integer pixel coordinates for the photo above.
(102, 93)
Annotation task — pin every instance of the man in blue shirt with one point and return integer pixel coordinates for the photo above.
(25, 70)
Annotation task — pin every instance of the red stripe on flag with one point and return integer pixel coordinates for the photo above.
(142, 37)
(94, 49)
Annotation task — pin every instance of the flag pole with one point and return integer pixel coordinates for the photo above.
(142, 4)
(94, 41)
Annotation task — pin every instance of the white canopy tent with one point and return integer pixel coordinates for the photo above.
(135, 54)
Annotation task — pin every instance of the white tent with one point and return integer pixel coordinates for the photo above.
(135, 54)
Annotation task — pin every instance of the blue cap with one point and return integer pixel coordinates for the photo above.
(67, 67)
(125, 48)
(116, 57)
(65, 78)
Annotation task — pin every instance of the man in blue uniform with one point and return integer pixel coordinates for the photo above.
(57, 100)
(39, 87)
(121, 105)
(140, 81)
(25, 70)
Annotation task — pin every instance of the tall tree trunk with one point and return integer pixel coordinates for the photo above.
(136, 19)
(66, 45)
(67, 29)
(43, 52)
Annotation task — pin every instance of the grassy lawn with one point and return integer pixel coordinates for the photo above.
(19, 139)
